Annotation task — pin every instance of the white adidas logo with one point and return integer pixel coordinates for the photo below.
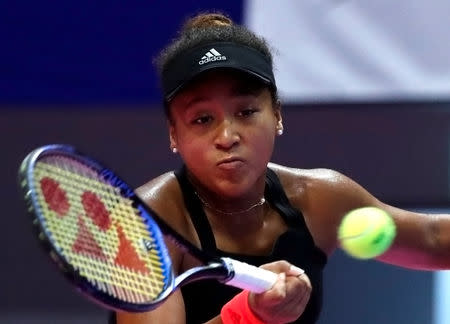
(211, 56)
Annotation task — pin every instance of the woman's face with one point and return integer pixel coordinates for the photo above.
(224, 127)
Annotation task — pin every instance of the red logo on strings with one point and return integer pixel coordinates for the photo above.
(54, 196)
(85, 243)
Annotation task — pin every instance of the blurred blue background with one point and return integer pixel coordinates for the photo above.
(366, 91)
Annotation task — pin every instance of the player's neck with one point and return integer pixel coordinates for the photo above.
(232, 209)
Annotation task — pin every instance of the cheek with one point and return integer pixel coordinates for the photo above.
(193, 149)
(263, 143)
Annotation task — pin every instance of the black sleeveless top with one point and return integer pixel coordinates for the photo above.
(204, 299)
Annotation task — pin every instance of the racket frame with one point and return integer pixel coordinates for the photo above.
(214, 267)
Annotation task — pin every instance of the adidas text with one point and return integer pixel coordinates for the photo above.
(211, 56)
(212, 59)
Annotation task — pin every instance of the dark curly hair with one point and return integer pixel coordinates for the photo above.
(209, 27)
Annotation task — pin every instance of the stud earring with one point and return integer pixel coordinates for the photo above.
(174, 150)
(280, 128)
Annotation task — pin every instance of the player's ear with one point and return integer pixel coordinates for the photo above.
(172, 136)
(277, 111)
(278, 117)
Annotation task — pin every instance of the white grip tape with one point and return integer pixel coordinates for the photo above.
(249, 277)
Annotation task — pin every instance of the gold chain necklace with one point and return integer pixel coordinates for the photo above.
(207, 205)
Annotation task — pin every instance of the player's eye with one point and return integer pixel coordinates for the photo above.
(247, 112)
(202, 120)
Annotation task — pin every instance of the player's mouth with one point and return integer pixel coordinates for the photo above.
(230, 163)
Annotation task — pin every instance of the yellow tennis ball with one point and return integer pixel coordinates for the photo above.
(367, 232)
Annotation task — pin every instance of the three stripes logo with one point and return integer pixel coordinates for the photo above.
(211, 56)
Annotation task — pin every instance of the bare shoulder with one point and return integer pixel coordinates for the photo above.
(323, 196)
(165, 184)
(313, 190)
(299, 182)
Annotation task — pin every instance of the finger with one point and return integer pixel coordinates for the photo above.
(302, 301)
(298, 293)
(275, 294)
(295, 271)
(293, 304)
(277, 266)
(278, 290)
(298, 285)
(304, 278)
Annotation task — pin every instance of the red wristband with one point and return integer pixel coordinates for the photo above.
(237, 311)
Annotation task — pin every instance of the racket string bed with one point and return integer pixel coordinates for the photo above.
(107, 242)
(101, 270)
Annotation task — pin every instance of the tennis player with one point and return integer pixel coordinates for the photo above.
(224, 116)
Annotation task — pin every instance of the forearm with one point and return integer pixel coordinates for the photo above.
(440, 229)
(422, 241)
(435, 252)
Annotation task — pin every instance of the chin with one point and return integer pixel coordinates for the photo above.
(236, 187)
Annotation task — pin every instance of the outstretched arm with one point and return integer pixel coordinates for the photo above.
(422, 240)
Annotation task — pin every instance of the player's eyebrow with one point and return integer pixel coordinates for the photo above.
(246, 88)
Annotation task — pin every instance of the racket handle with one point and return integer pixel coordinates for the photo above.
(249, 277)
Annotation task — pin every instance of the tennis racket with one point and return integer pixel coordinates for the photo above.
(108, 242)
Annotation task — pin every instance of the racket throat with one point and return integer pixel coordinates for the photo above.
(217, 270)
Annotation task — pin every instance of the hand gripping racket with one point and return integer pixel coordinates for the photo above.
(107, 241)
